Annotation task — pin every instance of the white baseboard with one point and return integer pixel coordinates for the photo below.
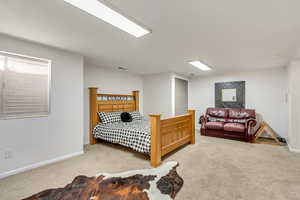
(39, 164)
(292, 149)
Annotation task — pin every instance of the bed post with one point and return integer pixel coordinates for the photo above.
(155, 140)
(192, 112)
(93, 113)
(136, 95)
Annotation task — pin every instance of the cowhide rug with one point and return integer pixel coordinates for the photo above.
(162, 183)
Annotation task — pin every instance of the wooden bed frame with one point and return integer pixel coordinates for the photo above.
(166, 135)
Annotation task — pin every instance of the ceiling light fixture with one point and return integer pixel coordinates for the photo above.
(200, 65)
(103, 12)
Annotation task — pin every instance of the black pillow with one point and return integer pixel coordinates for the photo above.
(126, 117)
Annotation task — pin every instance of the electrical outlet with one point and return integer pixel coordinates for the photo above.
(8, 154)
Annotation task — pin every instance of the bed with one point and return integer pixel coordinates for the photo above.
(156, 137)
(134, 135)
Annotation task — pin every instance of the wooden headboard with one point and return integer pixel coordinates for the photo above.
(110, 103)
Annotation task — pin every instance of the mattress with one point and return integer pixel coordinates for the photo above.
(135, 134)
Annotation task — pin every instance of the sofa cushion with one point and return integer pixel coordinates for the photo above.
(217, 112)
(243, 121)
(214, 125)
(216, 119)
(234, 127)
(241, 113)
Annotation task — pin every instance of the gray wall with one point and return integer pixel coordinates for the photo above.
(181, 96)
(158, 94)
(294, 105)
(36, 141)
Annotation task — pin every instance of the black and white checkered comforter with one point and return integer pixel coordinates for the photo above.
(135, 134)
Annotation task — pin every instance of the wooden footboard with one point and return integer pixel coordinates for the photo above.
(170, 134)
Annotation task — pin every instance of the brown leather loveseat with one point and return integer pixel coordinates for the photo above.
(229, 123)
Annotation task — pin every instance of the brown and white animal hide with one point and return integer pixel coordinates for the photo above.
(162, 183)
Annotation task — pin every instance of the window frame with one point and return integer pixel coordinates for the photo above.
(29, 115)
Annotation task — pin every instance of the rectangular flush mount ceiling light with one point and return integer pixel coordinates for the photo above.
(200, 65)
(101, 11)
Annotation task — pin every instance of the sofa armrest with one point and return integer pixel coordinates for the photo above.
(203, 120)
(250, 124)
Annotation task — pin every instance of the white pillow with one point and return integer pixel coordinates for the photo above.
(136, 115)
(109, 117)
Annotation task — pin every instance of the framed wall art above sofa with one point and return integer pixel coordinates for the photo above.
(230, 94)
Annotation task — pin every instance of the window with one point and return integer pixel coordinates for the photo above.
(24, 86)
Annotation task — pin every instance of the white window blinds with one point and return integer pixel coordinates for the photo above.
(24, 90)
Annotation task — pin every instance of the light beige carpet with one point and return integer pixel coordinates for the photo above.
(213, 169)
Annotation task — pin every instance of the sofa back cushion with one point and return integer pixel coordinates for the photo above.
(214, 125)
(216, 119)
(217, 112)
(241, 113)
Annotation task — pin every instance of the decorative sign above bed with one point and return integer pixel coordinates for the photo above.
(230, 94)
(114, 98)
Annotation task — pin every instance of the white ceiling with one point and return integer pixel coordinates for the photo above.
(229, 35)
